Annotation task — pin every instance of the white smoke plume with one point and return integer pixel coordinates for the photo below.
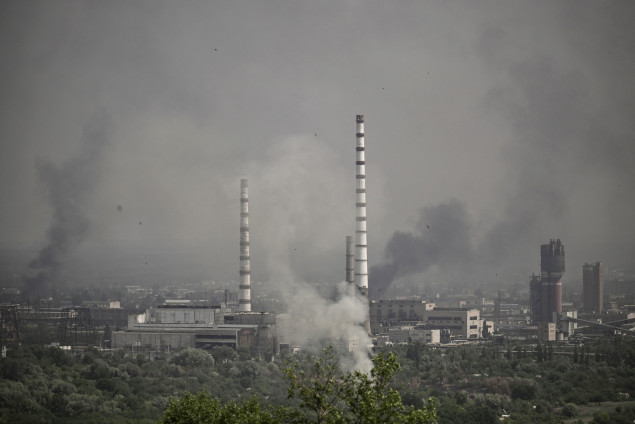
(318, 322)
(301, 208)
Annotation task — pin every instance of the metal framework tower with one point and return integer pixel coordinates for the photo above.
(76, 328)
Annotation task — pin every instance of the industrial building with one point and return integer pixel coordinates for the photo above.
(545, 290)
(592, 288)
(462, 323)
(419, 333)
(386, 315)
(176, 326)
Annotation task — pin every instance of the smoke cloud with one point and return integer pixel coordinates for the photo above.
(318, 322)
(441, 237)
(300, 212)
(568, 158)
(521, 111)
(67, 188)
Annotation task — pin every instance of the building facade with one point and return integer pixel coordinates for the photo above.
(545, 290)
(592, 288)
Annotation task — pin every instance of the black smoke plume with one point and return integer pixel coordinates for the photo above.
(441, 237)
(67, 188)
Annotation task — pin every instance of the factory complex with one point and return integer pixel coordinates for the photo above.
(467, 317)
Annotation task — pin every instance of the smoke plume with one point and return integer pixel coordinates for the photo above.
(67, 188)
(441, 237)
(318, 322)
(297, 205)
(568, 158)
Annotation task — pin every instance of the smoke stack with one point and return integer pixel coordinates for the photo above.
(361, 246)
(350, 265)
(361, 243)
(244, 293)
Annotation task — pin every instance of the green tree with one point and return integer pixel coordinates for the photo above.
(203, 409)
(570, 410)
(354, 397)
(224, 354)
(325, 395)
(192, 357)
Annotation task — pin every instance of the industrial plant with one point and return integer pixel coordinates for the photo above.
(229, 319)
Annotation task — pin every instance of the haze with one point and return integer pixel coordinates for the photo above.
(491, 127)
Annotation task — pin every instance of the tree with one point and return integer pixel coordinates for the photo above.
(570, 410)
(203, 409)
(352, 397)
(224, 353)
(326, 395)
(192, 357)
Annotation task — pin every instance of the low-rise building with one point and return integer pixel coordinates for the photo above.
(462, 323)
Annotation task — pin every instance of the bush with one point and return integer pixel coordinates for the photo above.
(194, 358)
(570, 410)
(524, 392)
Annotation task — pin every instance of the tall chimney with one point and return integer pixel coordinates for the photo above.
(350, 265)
(361, 246)
(244, 292)
(361, 242)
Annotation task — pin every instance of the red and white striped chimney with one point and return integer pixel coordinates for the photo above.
(361, 243)
(244, 292)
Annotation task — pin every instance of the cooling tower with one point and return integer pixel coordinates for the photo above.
(244, 292)
(551, 271)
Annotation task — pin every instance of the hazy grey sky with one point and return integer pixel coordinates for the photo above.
(518, 116)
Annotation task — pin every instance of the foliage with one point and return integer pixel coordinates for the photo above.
(570, 410)
(202, 409)
(224, 353)
(471, 383)
(332, 397)
(194, 358)
(325, 394)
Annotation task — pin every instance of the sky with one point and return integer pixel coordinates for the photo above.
(491, 128)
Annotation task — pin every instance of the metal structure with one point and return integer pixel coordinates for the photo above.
(76, 328)
(621, 327)
(592, 287)
(545, 291)
(350, 265)
(10, 325)
(244, 292)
